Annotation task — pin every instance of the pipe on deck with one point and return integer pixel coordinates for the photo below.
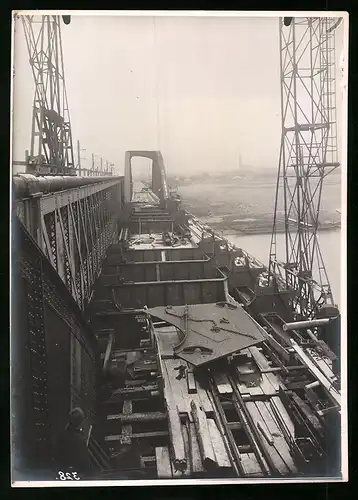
(25, 185)
(297, 325)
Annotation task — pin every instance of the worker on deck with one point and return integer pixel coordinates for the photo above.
(72, 453)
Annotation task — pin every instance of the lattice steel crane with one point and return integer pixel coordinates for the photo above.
(308, 154)
(51, 149)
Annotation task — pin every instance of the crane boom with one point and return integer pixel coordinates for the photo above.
(51, 150)
(308, 154)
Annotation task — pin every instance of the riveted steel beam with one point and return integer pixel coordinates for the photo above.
(73, 227)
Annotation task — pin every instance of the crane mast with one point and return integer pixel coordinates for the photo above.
(51, 149)
(308, 154)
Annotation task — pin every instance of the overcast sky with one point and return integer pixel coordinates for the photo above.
(202, 90)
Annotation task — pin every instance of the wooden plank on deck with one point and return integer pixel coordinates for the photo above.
(184, 472)
(273, 380)
(186, 438)
(266, 386)
(172, 398)
(222, 383)
(166, 338)
(250, 465)
(202, 431)
(164, 469)
(280, 443)
(266, 436)
(203, 399)
(126, 437)
(221, 455)
(150, 416)
(137, 435)
(191, 383)
(173, 387)
(179, 388)
(279, 409)
(176, 437)
(196, 462)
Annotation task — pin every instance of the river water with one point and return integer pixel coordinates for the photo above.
(258, 245)
(250, 200)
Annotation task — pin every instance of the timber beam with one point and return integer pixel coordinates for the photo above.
(155, 416)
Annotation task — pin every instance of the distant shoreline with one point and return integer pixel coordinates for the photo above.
(258, 231)
(248, 212)
(253, 229)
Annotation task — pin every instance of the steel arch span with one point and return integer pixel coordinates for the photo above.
(159, 179)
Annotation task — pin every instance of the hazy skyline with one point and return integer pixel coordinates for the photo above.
(203, 90)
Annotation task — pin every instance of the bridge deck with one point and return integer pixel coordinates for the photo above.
(146, 197)
(97, 267)
(154, 241)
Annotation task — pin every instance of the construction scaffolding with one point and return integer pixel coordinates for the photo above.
(308, 154)
(51, 149)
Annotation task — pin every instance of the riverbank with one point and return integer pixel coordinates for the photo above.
(251, 225)
(247, 207)
(268, 230)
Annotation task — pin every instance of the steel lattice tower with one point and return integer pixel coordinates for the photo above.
(308, 154)
(51, 150)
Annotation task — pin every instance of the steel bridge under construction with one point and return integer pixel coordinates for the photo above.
(61, 230)
(81, 288)
(188, 356)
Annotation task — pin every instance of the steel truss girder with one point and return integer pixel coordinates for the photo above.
(51, 149)
(308, 154)
(74, 229)
(54, 353)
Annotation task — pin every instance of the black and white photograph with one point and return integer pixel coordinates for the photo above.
(178, 247)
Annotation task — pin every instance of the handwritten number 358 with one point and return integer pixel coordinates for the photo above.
(68, 475)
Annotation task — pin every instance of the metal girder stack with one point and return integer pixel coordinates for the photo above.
(51, 150)
(308, 154)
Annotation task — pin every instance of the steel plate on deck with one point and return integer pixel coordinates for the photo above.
(211, 331)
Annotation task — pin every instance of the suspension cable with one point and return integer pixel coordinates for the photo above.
(155, 46)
